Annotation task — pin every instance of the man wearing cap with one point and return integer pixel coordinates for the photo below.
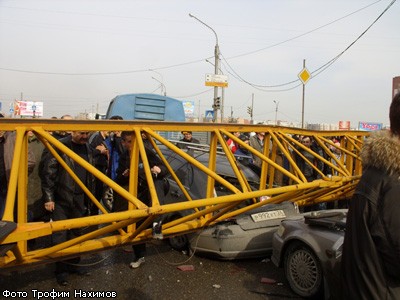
(187, 138)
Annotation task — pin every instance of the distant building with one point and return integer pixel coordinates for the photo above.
(82, 116)
(322, 126)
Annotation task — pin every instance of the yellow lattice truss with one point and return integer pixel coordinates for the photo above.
(119, 228)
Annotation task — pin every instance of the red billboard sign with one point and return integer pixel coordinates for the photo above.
(344, 125)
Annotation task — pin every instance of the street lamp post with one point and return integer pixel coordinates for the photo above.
(276, 111)
(162, 86)
(222, 93)
(216, 69)
(161, 82)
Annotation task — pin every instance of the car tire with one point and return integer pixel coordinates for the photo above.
(303, 271)
(178, 242)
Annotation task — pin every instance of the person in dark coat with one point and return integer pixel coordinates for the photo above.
(158, 170)
(187, 140)
(101, 156)
(63, 197)
(371, 250)
(36, 211)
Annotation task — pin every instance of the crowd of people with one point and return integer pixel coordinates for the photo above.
(61, 197)
(110, 153)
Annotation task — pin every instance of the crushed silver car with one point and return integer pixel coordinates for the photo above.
(309, 248)
(247, 235)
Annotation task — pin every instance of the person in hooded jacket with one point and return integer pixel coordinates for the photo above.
(158, 170)
(371, 250)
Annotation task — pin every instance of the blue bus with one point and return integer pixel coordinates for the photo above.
(146, 107)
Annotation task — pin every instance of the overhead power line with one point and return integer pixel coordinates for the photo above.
(232, 71)
(315, 72)
(104, 73)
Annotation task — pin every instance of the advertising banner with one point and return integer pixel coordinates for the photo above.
(344, 125)
(188, 107)
(28, 109)
(369, 126)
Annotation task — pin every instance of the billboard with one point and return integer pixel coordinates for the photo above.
(369, 126)
(344, 125)
(28, 109)
(188, 107)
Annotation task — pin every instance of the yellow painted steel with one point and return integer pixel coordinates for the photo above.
(111, 230)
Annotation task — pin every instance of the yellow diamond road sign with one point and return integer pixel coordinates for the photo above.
(304, 76)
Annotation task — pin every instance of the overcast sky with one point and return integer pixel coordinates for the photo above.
(77, 55)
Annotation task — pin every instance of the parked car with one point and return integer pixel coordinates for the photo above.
(194, 181)
(247, 235)
(309, 248)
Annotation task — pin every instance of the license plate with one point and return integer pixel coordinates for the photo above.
(268, 215)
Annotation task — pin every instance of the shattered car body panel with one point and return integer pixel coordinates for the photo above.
(194, 180)
(309, 248)
(248, 235)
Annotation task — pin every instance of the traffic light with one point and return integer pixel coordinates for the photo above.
(217, 103)
(250, 111)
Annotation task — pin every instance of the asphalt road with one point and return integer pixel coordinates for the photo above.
(158, 278)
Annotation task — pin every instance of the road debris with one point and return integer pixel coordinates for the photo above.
(268, 280)
(186, 268)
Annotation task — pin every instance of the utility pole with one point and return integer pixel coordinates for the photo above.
(276, 111)
(222, 103)
(250, 109)
(216, 100)
(222, 93)
(302, 101)
(200, 111)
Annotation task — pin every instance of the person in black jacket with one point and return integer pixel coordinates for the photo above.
(158, 171)
(63, 197)
(371, 250)
(187, 140)
(101, 156)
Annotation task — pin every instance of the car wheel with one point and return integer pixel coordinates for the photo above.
(303, 271)
(178, 242)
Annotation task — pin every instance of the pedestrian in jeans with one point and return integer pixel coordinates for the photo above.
(158, 171)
